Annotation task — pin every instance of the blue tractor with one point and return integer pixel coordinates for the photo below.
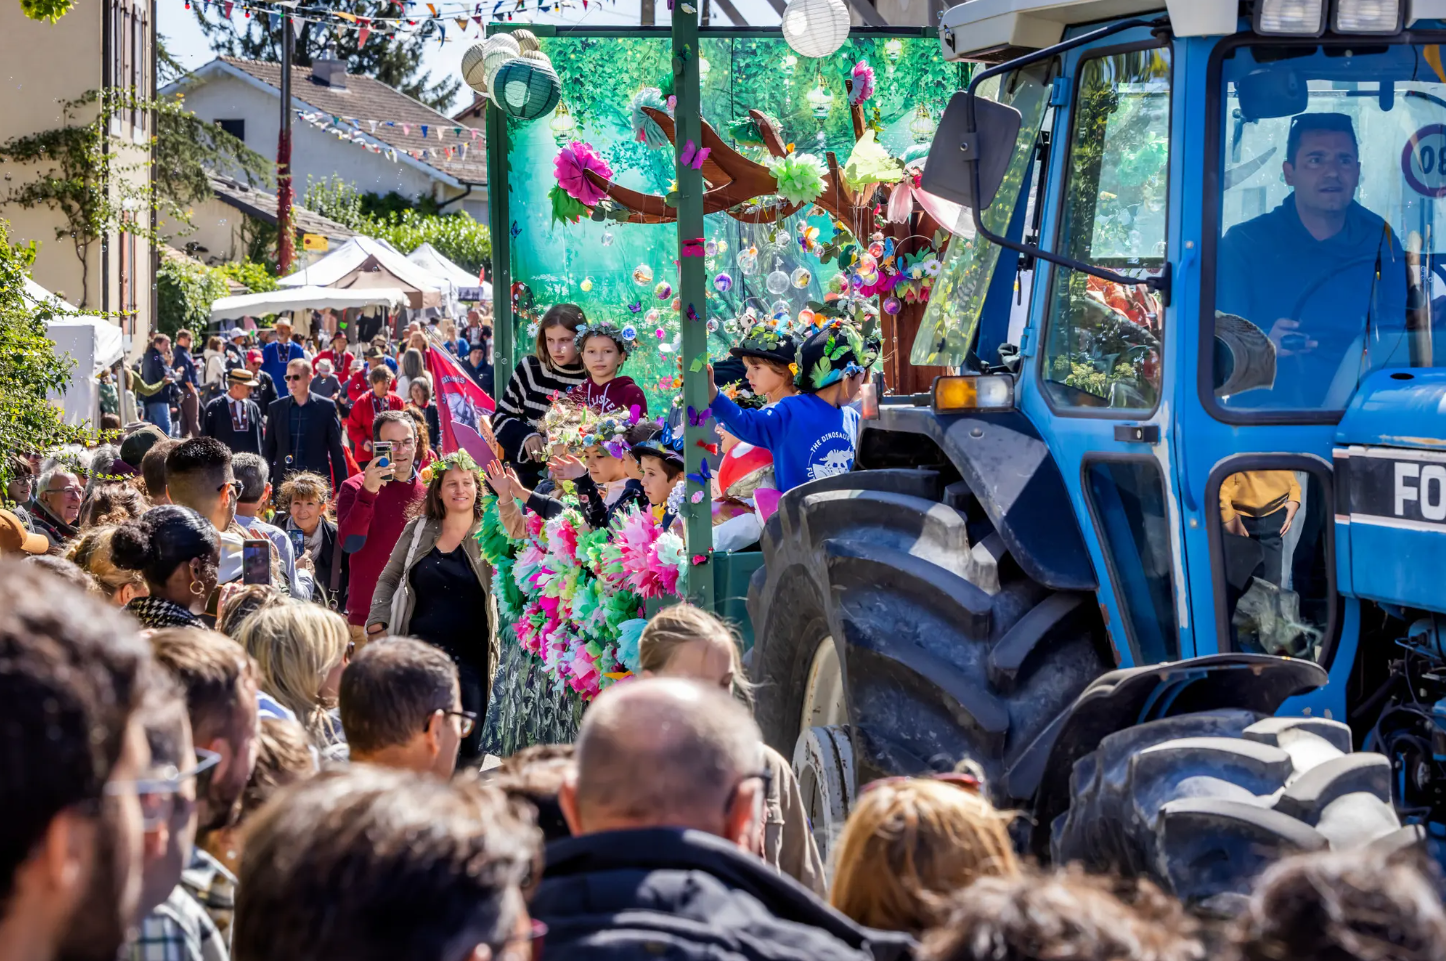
(1167, 559)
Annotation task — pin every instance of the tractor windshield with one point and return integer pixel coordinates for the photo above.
(1329, 263)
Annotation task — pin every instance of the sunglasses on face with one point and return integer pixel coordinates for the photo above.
(468, 720)
(296, 377)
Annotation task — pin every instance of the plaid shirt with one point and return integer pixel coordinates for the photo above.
(208, 881)
(178, 930)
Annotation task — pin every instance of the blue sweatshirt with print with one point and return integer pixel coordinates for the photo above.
(808, 438)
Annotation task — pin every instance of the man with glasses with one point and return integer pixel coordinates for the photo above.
(72, 747)
(303, 431)
(666, 811)
(219, 681)
(58, 497)
(374, 506)
(401, 707)
(1320, 275)
(174, 927)
(422, 869)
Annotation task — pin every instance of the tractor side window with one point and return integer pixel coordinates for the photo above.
(1127, 501)
(1273, 549)
(1104, 340)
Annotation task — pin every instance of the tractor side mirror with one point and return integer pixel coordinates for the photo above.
(959, 149)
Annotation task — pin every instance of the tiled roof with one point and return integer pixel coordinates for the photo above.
(366, 99)
(262, 206)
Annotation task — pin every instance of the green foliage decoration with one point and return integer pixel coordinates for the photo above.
(184, 293)
(255, 277)
(47, 10)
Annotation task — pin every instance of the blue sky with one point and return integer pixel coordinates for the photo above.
(188, 44)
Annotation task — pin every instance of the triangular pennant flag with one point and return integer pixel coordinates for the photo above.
(407, 129)
(361, 41)
(424, 131)
(441, 34)
(432, 7)
(349, 17)
(462, 24)
(226, 8)
(374, 125)
(296, 25)
(464, 156)
(475, 133)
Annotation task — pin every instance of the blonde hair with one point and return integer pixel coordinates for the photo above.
(91, 553)
(296, 645)
(681, 624)
(308, 485)
(910, 844)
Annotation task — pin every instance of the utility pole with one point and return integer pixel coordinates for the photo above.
(285, 240)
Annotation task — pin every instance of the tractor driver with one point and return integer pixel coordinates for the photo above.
(1321, 275)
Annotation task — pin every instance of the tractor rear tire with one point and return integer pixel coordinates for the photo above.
(894, 635)
(1203, 802)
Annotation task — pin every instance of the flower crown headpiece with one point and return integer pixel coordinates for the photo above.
(457, 460)
(611, 433)
(626, 336)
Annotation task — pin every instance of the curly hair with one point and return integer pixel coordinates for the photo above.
(112, 503)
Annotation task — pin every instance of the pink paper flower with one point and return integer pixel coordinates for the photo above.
(863, 88)
(571, 161)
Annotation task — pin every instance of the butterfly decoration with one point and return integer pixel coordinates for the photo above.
(702, 558)
(693, 248)
(691, 313)
(668, 439)
(697, 497)
(693, 157)
(710, 448)
(704, 476)
(516, 230)
(697, 419)
(636, 307)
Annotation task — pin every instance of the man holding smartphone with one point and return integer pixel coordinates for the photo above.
(372, 507)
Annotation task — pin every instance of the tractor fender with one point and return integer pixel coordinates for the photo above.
(1123, 698)
(1008, 468)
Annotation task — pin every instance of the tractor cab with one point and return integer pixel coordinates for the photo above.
(1196, 308)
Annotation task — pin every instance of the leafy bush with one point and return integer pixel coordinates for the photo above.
(255, 277)
(185, 291)
(457, 236)
(29, 367)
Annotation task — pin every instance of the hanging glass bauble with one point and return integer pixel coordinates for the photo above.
(892, 305)
(607, 238)
(663, 291)
(801, 277)
(839, 282)
(722, 283)
(710, 248)
(642, 275)
(712, 325)
(777, 282)
(586, 284)
(652, 318)
(748, 262)
(779, 307)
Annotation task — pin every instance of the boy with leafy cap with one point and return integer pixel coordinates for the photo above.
(813, 433)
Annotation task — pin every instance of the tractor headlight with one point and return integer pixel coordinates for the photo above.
(954, 394)
(1368, 16)
(1295, 18)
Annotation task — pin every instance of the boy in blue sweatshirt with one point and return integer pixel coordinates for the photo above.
(814, 433)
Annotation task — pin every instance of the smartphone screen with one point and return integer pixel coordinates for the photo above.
(256, 562)
(298, 542)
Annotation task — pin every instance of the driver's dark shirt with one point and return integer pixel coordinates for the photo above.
(1272, 267)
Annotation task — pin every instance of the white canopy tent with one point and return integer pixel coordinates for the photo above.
(432, 260)
(304, 298)
(361, 258)
(93, 342)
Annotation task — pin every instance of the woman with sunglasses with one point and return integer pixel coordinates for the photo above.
(300, 651)
(177, 551)
(688, 642)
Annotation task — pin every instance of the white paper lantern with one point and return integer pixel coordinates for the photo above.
(815, 28)
(474, 70)
(526, 40)
(494, 57)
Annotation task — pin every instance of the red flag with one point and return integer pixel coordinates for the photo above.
(461, 405)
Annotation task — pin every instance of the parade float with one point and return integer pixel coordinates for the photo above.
(687, 185)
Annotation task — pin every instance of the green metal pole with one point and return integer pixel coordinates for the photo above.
(499, 220)
(692, 285)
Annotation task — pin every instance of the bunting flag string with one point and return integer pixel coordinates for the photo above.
(434, 21)
(348, 129)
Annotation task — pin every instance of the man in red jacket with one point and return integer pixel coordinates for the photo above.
(371, 510)
(364, 412)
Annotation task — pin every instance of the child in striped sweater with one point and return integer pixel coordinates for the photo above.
(552, 369)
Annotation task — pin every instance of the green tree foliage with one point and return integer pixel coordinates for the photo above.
(255, 277)
(47, 10)
(29, 367)
(88, 175)
(184, 293)
(393, 58)
(457, 236)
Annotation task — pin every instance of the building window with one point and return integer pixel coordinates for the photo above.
(236, 128)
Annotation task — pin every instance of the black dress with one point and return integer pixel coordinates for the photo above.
(449, 611)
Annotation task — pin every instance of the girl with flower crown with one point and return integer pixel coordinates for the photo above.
(604, 347)
(553, 368)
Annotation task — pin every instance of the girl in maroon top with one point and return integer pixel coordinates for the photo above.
(604, 347)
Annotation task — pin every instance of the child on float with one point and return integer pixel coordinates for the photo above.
(604, 347)
(814, 433)
(662, 477)
(552, 369)
(600, 479)
(743, 470)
